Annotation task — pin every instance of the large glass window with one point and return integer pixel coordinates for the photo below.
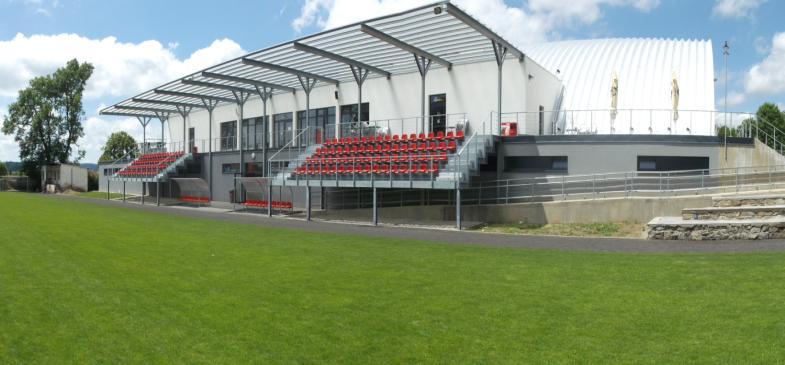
(228, 139)
(321, 123)
(349, 122)
(253, 133)
(283, 128)
(672, 163)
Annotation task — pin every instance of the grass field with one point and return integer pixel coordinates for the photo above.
(82, 283)
(99, 195)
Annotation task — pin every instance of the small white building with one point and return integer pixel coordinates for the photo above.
(64, 177)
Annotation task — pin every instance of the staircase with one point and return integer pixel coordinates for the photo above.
(465, 164)
(729, 218)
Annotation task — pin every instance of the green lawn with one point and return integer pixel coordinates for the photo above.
(81, 283)
(99, 195)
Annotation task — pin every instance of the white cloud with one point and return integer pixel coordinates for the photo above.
(768, 76)
(121, 70)
(736, 8)
(535, 21)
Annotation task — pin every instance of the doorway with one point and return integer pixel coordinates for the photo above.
(437, 112)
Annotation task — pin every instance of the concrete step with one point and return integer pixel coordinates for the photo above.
(744, 212)
(676, 228)
(748, 200)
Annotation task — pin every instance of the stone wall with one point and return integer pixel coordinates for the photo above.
(700, 232)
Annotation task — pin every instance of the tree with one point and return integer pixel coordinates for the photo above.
(46, 118)
(118, 145)
(3, 169)
(770, 118)
(92, 180)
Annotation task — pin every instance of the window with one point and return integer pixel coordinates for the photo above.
(541, 120)
(253, 133)
(191, 137)
(230, 168)
(254, 169)
(535, 164)
(349, 112)
(283, 128)
(228, 136)
(322, 122)
(672, 163)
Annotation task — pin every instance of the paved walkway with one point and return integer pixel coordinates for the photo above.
(453, 236)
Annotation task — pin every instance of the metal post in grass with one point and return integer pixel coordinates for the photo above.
(269, 199)
(107, 188)
(375, 208)
(308, 203)
(458, 208)
(158, 193)
(144, 191)
(123, 191)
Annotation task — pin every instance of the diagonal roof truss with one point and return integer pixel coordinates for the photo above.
(383, 46)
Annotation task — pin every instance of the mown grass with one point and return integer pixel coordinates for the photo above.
(99, 195)
(625, 230)
(82, 283)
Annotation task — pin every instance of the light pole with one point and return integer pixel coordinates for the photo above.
(725, 53)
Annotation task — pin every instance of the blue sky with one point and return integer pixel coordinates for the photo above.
(161, 40)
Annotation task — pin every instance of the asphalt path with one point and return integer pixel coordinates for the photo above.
(453, 236)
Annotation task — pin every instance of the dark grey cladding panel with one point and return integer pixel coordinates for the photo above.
(626, 138)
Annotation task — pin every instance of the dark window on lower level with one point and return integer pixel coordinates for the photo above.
(535, 164)
(230, 168)
(672, 163)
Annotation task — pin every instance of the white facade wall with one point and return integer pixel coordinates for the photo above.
(470, 89)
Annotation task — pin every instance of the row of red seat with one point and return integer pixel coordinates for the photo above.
(195, 199)
(366, 169)
(422, 137)
(412, 157)
(263, 204)
(150, 164)
(451, 146)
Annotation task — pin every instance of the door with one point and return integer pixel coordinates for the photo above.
(191, 141)
(438, 112)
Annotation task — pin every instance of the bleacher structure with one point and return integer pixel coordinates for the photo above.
(156, 167)
(438, 160)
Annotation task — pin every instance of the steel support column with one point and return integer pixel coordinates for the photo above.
(423, 65)
(158, 193)
(265, 93)
(241, 97)
(210, 106)
(360, 75)
(184, 111)
(307, 83)
(107, 184)
(144, 121)
(500, 52)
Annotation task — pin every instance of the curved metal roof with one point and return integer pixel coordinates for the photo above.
(440, 32)
(644, 69)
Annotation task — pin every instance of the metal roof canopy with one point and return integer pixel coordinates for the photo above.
(440, 32)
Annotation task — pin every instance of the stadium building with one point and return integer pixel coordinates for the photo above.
(429, 108)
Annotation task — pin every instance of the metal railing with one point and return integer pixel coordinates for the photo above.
(617, 121)
(408, 125)
(624, 184)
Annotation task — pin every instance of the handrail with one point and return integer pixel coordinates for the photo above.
(289, 144)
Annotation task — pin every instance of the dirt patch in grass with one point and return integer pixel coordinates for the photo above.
(625, 230)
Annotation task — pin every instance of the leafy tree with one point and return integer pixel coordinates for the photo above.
(727, 131)
(770, 118)
(3, 169)
(46, 118)
(118, 145)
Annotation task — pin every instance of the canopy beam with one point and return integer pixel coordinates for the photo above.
(341, 59)
(251, 62)
(384, 37)
(193, 95)
(243, 80)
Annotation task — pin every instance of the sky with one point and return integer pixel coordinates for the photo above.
(138, 45)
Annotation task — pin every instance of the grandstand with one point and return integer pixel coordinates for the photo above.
(432, 103)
